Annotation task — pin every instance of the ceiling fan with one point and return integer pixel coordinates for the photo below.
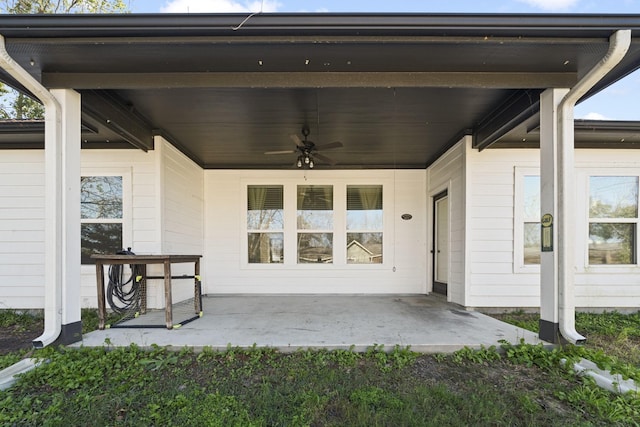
(307, 150)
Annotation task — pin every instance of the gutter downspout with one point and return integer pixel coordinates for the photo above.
(619, 43)
(53, 204)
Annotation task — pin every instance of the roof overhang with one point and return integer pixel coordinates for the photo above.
(397, 90)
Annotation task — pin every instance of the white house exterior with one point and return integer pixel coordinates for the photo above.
(171, 205)
(188, 129)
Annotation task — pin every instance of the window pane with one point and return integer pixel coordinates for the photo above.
(101, 197)
(265, 207)
(266, 248)
(364, 248)
(315, 207)
(364, 207)
(531, 243)
(531, 198)
(612, 243)
(103, 239)
(315, 248)
(613, 197)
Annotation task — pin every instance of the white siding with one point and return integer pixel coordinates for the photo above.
(403, 269)
(495, 280)
(448, 173)
(140, 231)
(21, 229)
(182, 201)
(182, 210)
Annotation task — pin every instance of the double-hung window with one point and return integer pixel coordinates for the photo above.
(265, 224)
(101, 215)
(315, 224)
(613, 220)
(531, 218)
(364, 224)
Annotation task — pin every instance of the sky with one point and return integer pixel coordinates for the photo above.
(618, 102)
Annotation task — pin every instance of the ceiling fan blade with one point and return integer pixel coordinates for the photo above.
(297, 140)
(324, 159)
(329, 146)
(281, 152)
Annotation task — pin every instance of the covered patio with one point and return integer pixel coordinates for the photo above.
(214, 104)
(427, 324)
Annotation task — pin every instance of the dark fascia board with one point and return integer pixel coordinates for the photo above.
(515, 110)
(581, 125)
(34, 127)
(611, 126)
(176, 25)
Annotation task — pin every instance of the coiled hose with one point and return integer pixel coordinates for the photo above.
(123, 294)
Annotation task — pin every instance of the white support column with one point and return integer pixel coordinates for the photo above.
(550, 169)
(68, 215)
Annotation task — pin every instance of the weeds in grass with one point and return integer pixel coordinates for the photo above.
(522, 385)
(482, 356)
(18, 320)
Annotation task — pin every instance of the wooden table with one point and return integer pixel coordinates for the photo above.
(143, 261)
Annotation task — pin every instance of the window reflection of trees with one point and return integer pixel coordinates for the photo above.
(315, 224)
(613, 213)
(101, 213)
(364, 224)
(265, 212)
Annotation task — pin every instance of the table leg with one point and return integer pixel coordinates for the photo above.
(167, 295)
(197, 291)
(143, 288)
(101, 302)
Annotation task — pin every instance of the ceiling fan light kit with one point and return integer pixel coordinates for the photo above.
(308, 151)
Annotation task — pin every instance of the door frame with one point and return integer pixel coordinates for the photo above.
(439, 287)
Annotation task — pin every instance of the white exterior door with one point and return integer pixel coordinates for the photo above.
(441, 244)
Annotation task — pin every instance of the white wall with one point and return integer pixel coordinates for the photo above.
(140, 205)
(404, 256)
(448, 173)
(21, 229)
(495, 277)
(181, 185)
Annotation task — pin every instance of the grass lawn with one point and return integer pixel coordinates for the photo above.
(519, 385)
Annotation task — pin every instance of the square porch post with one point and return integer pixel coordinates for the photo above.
(68, 214)
(550, 168)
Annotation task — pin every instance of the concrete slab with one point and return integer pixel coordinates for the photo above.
(425, 323)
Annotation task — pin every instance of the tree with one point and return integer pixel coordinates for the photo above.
(17, 105)
(63, 6)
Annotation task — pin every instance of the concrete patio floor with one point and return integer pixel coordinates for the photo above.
(425, 323)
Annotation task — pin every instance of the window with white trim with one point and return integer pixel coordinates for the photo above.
(531, 220)
(613, 220)
(364, 224)
(265, 224)
(101, 215)
(315, 224)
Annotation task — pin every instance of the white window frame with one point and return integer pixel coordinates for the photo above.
(244, 210)
(583, 180)
(356, 231)
(339, 224)
(519, 219)
(127, 204)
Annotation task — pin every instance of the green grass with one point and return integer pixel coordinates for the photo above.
(615, 334)
(18, 320)
(519, 385)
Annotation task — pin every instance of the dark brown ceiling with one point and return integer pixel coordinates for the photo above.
(396, 90)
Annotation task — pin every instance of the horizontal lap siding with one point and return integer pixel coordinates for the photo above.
(405, 249)
(607, 286)
(448, 171)
(144, 235)
(182, 215)
(22, 220)
(492, 281)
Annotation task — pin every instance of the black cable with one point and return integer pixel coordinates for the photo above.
(123, 294)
